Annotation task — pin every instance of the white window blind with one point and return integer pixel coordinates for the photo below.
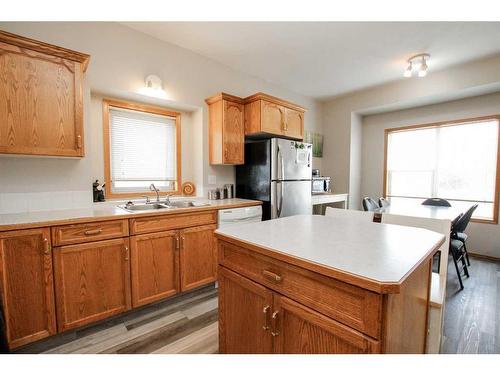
(142, 150)
(457, 162)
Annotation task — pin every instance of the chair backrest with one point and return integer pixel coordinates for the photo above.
(349, 214)
(464, 220)
(436, 202)
(382, 202)
(369, 204)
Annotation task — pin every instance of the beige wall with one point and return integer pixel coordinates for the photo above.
(341, 125)
(120, 60)
(484, 238)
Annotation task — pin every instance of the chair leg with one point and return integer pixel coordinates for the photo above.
(466, 255)
(464, 266)
(458, 273)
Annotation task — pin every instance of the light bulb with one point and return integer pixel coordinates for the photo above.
(423, 68)
(408, 71)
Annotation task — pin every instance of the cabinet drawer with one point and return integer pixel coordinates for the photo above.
(357, 308)
(87, 232)
(169, 222)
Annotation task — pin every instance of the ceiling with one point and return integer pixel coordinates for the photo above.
(325, 59)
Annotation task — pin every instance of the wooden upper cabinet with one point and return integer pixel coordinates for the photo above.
(41, 98)
(267, 115)
(92, 281)
(26, 285)
(154, 266)
(226, 129)
(198, 256)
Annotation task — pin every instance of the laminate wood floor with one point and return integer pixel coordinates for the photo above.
(472, 316)
(183, 324)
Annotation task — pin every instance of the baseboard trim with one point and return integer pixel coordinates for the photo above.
(485, 257)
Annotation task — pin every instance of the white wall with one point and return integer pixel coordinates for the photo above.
(120, 60)
(342, 134)
(484, 238)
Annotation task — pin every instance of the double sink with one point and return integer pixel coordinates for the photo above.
(131, 207)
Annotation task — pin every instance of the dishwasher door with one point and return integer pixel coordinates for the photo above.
(241, 215)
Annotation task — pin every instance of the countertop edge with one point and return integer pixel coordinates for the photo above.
(125, 215)
(335, 273)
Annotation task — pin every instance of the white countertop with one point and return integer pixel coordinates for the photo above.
(380, 252)
(106, 210)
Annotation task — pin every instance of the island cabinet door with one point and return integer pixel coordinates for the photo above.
(244, 315)
(296, 329)
(26, 285)
(92, 281)
(154, 266)
(198, 256)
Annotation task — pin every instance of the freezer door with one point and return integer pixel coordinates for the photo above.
(290, 160)
(290, 198)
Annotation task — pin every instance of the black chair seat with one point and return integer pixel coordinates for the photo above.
(456, 245)
(460, 236)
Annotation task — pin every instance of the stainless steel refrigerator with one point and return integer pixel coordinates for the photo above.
(278, 172)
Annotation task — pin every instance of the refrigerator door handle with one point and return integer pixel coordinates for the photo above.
(281, 165)
(279, 198)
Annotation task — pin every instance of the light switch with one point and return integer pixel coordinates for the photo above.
(212, 179)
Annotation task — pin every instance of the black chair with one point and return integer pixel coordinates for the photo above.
(369, 204)
(436, 202)
(383, 203)
(458, 254)
(3, 334)
(459, 229)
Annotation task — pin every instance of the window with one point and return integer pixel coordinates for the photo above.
(457, 161)
(142, 146)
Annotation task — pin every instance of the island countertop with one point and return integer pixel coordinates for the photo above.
(380, 256)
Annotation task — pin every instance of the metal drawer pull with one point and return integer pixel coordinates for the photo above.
(93, 232)
(272, 276)
(265, 310)
(126, 253)
(275, 318)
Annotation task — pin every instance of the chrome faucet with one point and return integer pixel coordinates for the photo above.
(152, 187)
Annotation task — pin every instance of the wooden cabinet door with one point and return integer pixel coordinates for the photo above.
(244, 315)
(294, 124)
(272, 120)
(26, 285)
(233, 133)
(41, 103)
(300, 330)
(92, 281)
(198, 256)
(154, 266)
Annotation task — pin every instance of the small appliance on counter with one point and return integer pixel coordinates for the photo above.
(98, 191)
(320, 184)
(226, 192)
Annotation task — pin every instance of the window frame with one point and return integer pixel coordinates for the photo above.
(107, 104)
(442, 124)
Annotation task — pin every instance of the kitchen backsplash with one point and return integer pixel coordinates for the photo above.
(11, 203)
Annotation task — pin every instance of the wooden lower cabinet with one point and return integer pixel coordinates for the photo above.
(92, 281)
(263, 321)
(27, 285)
(154, 267)
(198, 256)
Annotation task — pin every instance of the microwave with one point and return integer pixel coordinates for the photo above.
(321, 185)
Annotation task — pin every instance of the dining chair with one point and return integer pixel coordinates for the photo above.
(440, 202)
(459, 230)
(3, 333)
(370, 204)
(458, 254)
(341, 213)
(383, 203)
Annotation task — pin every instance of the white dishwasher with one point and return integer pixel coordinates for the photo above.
(241, 215)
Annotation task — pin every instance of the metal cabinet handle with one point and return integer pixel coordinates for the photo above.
(177, 242)
(93, 232)
(126, 253)
(265, 310)
(275, 322)
(272, 276)
(46, 250)
(79, 141)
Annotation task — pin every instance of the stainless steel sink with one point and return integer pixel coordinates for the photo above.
(144, 207)
(181, 204)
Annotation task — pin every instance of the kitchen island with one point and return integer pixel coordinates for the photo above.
(316, 284)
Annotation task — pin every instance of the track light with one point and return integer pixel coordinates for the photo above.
(418, 61)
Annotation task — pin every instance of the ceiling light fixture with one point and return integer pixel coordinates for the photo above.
(417, 62)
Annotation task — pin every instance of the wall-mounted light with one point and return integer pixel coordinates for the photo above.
(417, 62)
(153, 87)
